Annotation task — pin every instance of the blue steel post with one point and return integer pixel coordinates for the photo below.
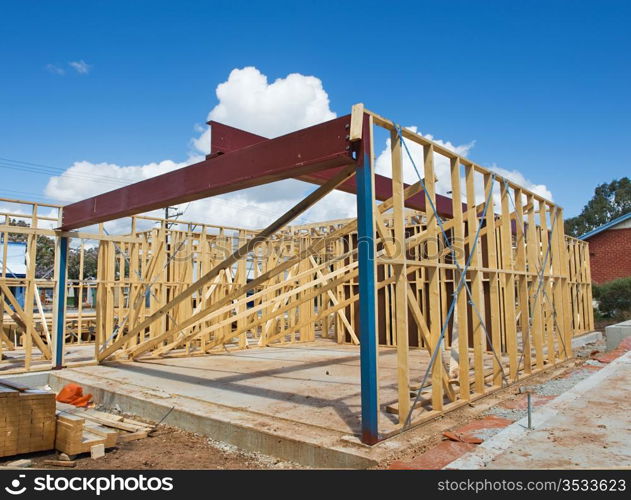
(367, 300)
(61, 301)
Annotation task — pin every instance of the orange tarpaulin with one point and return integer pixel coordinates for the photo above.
(73, 394)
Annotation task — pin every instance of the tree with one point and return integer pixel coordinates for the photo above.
(614, 299)
(17, 237)
(45, 255)
(89, 263)
(45, 258)
(610, 201)
(45, 249)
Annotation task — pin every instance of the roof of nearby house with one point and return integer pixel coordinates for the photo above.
(604, 227)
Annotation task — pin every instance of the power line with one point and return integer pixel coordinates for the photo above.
(30, 194)
(60, 170)
(42, 169)
(10, 165)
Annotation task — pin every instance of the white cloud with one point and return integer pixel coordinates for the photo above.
(54, 69)
(518, 178)
(442, 169)
(248, 101)
(84, 179)
(17, 210)
(80, 67)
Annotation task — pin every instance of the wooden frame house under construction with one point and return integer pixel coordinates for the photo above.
(481, 278)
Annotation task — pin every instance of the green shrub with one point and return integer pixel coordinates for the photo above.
(614, 299)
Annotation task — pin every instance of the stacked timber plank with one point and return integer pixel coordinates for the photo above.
(74, 436)
(27, 419)
(32, 420)
(79, 429)
(9, 417)
(36, 425)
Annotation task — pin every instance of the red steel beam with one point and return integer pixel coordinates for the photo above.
(383, 191)
(226, 139)
(321, 147)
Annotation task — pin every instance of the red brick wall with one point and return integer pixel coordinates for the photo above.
(610, 255)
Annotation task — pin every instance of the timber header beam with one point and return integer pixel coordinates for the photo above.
(320, 147)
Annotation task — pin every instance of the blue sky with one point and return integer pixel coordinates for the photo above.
(541, 87)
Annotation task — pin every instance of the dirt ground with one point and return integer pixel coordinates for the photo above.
(168, 448)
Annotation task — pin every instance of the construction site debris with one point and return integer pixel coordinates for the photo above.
(23, 463)
(97, 451)
(81, 430)
(60, 463)
(73, 394)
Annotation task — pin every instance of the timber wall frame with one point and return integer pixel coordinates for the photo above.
(483, 280)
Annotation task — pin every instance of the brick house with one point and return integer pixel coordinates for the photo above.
(610, 249)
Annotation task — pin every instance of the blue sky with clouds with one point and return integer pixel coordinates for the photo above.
(542, 87)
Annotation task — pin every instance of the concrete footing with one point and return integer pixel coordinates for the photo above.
(588, 338)
(615, 334)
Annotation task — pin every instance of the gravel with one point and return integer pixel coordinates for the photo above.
(552, 387)
(265, 460)
(488, 433)
(557, 386)
(511, 414)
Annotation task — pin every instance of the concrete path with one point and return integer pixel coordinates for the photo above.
(588, 426)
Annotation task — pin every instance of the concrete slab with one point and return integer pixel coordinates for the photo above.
(13, 361)
(586, 427)
(295, 402)
(317, 384)
(615, 334)
(35, 379)
(587, 338)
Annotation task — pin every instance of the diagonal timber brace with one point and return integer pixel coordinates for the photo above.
(303, 205)
(141, 348)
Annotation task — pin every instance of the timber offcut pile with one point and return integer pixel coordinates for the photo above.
(81, 430)
(32, 420)
(27, 419)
